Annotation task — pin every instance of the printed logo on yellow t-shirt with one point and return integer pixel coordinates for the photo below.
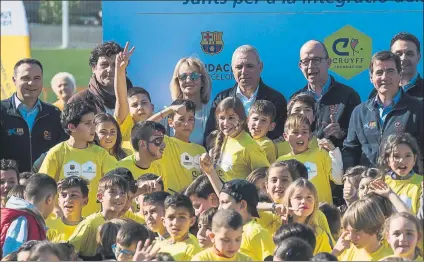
(226, 162)
(407, 200)
(86, 170)
(189, 161)
(312, 170)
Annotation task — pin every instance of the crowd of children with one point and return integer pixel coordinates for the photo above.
(121, 189)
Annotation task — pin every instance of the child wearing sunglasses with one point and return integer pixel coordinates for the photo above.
(147, 139)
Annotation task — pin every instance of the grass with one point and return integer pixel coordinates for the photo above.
(74, 61)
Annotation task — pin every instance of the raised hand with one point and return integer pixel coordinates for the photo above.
(146, 252)
(150, 186)
(342, 244)
(206, 164)
(284, 212)
(123, 57)
(380, 187)
(333, 129)
(179, 109)
(349, 190)
(326, 144)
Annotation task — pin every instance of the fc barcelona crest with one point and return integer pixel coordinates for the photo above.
(212, 43)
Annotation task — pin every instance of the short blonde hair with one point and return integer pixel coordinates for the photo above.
(295, 121)
(303, 183)
(205, 90)
(364, 215)
(64, 75)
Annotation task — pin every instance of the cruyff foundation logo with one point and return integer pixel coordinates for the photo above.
(212, 43)
(349, 50)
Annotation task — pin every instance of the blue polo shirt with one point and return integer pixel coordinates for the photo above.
(29, 114)
(384, 111)
(324, 90)
(410, 83)
(247, 102)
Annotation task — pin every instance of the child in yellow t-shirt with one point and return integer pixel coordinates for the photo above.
(399, 156)
(205, 227)
(153, 210)
(112, 193)
(235, 154)
(127, 239)
(260, 122)
(202, 195)
(179, 217)
(302, 104)
(73, 195)
(404, 233)
(180, 155)
(78, 156)
(300, 204)
(131, 106)
(226, 236)
(147, 139)
(360, 241)
(258, 177)
(323, 164)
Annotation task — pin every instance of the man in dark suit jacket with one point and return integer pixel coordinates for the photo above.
(247, 68)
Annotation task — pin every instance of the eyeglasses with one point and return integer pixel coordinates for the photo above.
(117, 250)
(157, 141)
(315, 61)
(193, 76)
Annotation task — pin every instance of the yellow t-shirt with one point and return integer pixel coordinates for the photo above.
(181, 251)
(210, 255)
(355, 254)
(90, 163)
(137, 217)
(321, 221)
(155, 168)
(239, 157)
(268, 147)
(184, 161)
(322, 241)
(283, 147)
(126, 127)
(409, 190)
(84, 236)
(256, 241)
(58, 231)
(128, 148)
(269, 221)
(318, 163)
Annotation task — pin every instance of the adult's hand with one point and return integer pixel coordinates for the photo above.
(333, 129)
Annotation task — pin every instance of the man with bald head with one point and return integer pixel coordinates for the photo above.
(334, 101)
(247, 68)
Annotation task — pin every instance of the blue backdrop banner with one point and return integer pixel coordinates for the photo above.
(165, 31)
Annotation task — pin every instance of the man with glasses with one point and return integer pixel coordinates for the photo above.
(391, 111)
(334, 101)
(407, 47)
(247, 68)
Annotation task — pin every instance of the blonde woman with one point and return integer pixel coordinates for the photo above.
(191, 81)
(63, 85)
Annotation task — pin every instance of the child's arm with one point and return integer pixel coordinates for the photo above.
(121, 104)
(207, 168)
(166, 112)
(381, 188)
(336, 159)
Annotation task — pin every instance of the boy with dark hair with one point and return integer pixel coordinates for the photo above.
(73, 196)
(24, 219)
(147, 139)
(260, 122)
(295, 230)
(227, 232)
(181, 155)
(132, 104)
(127, 239)
(78, 156)
(179, 217)
(153, 210)
(205, 226)
(202, 195)
(8, 178)
(112, 193)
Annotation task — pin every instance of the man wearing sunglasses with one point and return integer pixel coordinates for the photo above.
(247, 68)
(334, 101)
